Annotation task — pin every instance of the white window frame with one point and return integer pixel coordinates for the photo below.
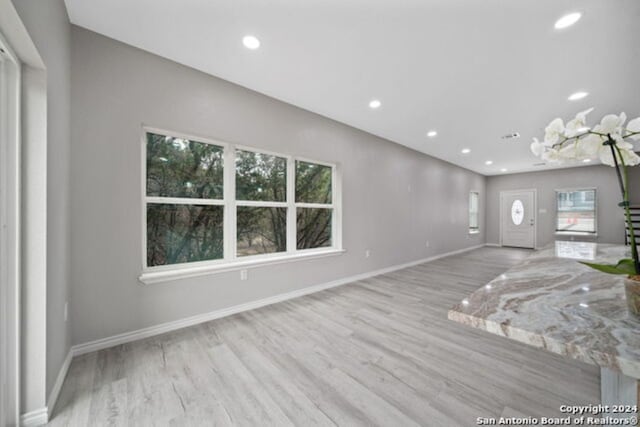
(595, 213)
(231, 261)
(475, 230)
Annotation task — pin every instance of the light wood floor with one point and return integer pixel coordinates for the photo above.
(376, 352)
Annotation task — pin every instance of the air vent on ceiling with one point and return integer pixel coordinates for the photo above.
(540, 164)
(512, 135)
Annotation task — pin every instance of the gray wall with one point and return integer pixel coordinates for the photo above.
(395, 199)
(609, 215)
(49, 28)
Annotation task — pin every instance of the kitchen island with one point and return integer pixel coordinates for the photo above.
(553, 302)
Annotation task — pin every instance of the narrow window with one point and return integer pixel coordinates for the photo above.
(473, 212)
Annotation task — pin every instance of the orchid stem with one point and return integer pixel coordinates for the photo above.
(612, 144)
(625, 203)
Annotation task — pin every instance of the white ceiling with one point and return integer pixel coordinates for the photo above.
(473, 70)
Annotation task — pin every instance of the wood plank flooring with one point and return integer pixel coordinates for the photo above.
(376, 352)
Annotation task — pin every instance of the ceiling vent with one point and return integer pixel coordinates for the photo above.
(512, 135)
(540, 164)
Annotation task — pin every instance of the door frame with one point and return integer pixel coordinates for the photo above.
(10, 247)
(535, 212)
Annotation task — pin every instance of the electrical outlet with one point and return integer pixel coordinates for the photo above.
(367, 253)
(243, 274)
(66, 311)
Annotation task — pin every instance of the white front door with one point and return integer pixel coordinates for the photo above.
(517, 213)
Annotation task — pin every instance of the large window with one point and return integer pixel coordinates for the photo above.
(474, 212)
(211, 203)
(576, 211)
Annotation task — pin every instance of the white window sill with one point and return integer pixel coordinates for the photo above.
(576, 233)
(151, 277)
(474, 231)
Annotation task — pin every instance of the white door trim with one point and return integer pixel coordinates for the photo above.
(535, 212)
(10, 170)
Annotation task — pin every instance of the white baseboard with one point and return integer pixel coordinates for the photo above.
(494, 245)
(40, 416)
(57, 386)
(35, 418)
(162, 328)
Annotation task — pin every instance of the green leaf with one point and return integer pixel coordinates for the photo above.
(608, 268)
(627, 265)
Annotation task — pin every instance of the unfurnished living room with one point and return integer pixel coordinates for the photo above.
(320, 212)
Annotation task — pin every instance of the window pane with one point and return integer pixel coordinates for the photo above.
(577, 211)
(179, 167)
(261, 230)
(313, 183)
(473, 210)
(313, 228)
(183, 233)
(260, 177)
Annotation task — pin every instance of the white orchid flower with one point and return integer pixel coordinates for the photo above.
(628, 156)
(592, 144)
(612, 125)
(553, 131)
(537, 148)
(579, 143)
(634, 126)
(578, 125)
(573, 151)
(552, 155)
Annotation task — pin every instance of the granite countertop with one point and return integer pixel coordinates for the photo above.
(551, 301)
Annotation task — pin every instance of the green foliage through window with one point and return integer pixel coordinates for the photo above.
(178, 167)
(187, 204)
(183, 233)
(260, 177)
(261, 230)
(313, 228)
(313, 183)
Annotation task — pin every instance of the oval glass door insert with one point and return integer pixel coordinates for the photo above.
(517, 212)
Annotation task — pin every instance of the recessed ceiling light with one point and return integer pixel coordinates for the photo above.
(586, 160)
(251, 42)
(432, 133)
(503, 170)
(488, 162)
(568, 20)
(375, 103)
(578, 95)
(465, 151)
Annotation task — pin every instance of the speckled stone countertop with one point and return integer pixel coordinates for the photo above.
(551, 301)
